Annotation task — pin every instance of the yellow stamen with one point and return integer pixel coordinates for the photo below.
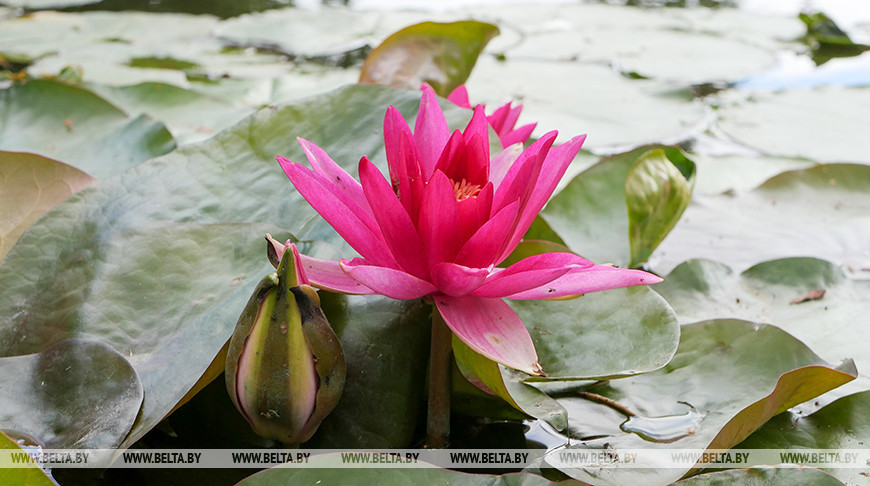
(464, 189)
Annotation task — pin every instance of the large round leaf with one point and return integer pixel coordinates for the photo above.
(821, 124)
(77, 394)
(74, 125)
(723, 383)
(844, 424)
(823, 212)
(30, 185)
(159, 261)
(811, 299)
(606, 334)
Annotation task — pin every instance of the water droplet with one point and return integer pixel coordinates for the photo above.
(664, 429)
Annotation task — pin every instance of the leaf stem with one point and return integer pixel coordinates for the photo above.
(440, 353)
(594, 397)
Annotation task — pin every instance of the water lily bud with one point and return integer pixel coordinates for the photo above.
(285, 369)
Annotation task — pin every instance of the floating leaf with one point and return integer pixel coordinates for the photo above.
(843, 424)
(817, 124)
(823, 211)
(613, 333)
(723, 383)
(657, 191)
(440, 54)
(72, 124)
(30, 185)
(77, 394)
(703, 289)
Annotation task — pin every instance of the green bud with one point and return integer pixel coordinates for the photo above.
(285, 369)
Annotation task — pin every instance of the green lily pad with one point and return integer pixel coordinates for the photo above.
(843, 424)
(189, 116)
(820, 124)
(724, 382)
(440, 54)
(657, 191)
(175, 242)
(590, 337)
(77, 394)
(74, 125)
(30, 185)
(283, 475)
(811, 299)
(823, 212)
(763, 476)
(31, 476)
(590, 215)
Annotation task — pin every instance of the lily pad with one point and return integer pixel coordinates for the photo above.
(723, 383)
(614, 333)
(823, 211)
(190, 116)
(74, 125)
(30, 185)
(811, 299)
(439, 54)
(77, 394)
(820, 124)
(628, 113)
(843, 424)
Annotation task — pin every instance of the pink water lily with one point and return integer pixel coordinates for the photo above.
(447, 215)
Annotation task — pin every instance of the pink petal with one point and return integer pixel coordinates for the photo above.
(519, 135)
(530, 273)
(395, 224)
(326, 167)
(491, 328)
(328, 275)
(351, 221)
(392, 283)
(457, 280)
(590, 279)
(438, 220)
(459, 97)
(482, 249)
(430, 131)
(478, 126)
(554, 166)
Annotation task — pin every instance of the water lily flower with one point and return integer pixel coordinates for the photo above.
(503, 120)
(443, 221)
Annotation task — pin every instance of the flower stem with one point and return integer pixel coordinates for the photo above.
(440, 352)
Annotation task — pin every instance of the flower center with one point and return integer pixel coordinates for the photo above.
(464, 189)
